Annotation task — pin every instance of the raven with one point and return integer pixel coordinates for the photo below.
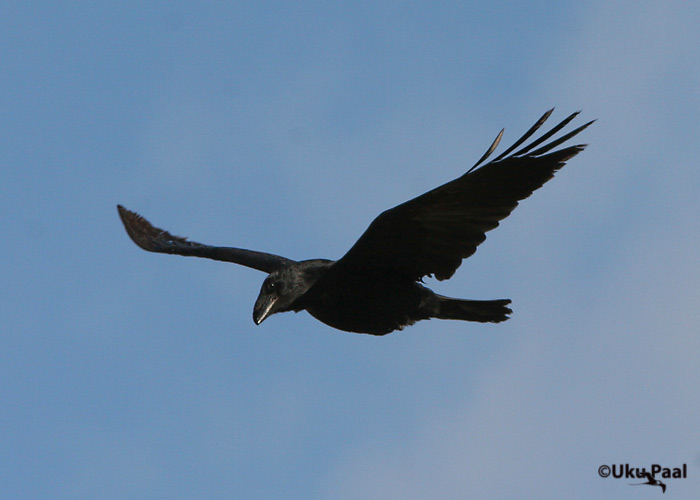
(375, 288)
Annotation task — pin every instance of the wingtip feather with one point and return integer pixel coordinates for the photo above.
(144, 234)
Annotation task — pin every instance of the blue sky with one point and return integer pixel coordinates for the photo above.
(286, 127)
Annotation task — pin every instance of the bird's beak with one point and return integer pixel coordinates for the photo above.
(263, 308)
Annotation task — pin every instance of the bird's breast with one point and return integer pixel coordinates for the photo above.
(375, 305)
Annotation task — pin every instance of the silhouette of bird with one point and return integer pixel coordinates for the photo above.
(376, 287)
(651, 481)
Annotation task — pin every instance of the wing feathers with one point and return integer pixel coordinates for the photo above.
(527, 135)
(428, 235)
(562, 140)
(431, 234)
(154, 239)
(547, 135)
(491, 149)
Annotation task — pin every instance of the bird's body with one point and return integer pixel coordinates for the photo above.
(391, 301)
(346, 302)
(376, 287)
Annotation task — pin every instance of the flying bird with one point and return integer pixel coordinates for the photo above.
(376, 287)
(651, 481)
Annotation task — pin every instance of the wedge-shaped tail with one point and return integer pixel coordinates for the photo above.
(483, 311)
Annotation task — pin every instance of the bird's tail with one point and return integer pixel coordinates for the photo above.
(483, 311)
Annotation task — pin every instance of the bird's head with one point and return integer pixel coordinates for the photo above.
(279, 291)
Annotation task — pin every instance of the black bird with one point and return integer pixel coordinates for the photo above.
(375, 287)
(652, 481)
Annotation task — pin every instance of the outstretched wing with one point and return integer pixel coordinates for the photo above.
(431, 234)
(154, 239)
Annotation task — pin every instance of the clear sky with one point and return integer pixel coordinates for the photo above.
(287, 127)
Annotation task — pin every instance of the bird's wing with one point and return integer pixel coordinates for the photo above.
(431, 234)
(154, 239)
